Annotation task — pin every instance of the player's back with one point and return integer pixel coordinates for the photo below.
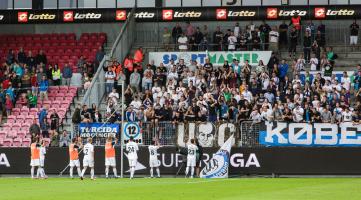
(89, 151)
(42, 152)
(153, 151)
(192, 150)
(132, 149)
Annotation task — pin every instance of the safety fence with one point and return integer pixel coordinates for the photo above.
(168, 133)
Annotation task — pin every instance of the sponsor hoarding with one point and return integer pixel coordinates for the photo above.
(180, 14)
(242, 161)
(217, 58)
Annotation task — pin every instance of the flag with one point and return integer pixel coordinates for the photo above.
(217, 166)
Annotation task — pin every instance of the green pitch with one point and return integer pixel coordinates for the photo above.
(170, 188)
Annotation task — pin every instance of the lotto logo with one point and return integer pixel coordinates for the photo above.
(121, 15)
(320, 13)
(22, 17)
(272, 13)
(68, 16)
(221, 14)
(167, 15)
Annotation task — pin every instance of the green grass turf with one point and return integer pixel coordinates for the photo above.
(180, 188)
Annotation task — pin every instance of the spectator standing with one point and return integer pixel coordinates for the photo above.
(110, 78)
(273, 39)
(307, 43)
(354, 28)
(167, 37)
(232, 40)
(283, 30)
(314, 62)
(99, 55)
(265, 30)
(22, 56)
(135, 80)
(67, 74)
(176, 32)
(293, 43)
(43, 88)
(190, 30)
(56, 75)
(198, 38)
(183, 42)
(217, 39)
(54, 123)
(282, 69)
(34, 129)
(41, 58)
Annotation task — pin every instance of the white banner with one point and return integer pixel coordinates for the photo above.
(217, 58)
(217, 166)
(132, 129)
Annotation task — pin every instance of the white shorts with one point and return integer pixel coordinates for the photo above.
(35, 162)
(73, 163)
(132, 162)
(191, 162)
(110, 162)
(154, 163)
(88, 163)
(42, 161)
(353, 39)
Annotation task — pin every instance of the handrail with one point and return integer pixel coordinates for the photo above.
(119, 37)
(96, 90)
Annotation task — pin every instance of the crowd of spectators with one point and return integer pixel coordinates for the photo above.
(234, 92)
(25, 79)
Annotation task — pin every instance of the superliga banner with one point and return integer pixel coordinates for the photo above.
(275, 134)
(99, 130)
(217, 58)
(217, 166)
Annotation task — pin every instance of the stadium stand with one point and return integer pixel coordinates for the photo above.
(26, 58)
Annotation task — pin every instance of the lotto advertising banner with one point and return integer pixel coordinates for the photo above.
(242, 161)
(132, 129)
(98, 130)
(217, 58)
(274, 134)
(179, 14)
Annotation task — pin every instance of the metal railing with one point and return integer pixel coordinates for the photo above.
(209, 134)
(120, 48)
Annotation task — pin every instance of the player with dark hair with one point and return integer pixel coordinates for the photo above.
(74, 156)
(191, 157)
(35, 157)
(153, 158)
(88, 160)
(132, 149)
(110, 157)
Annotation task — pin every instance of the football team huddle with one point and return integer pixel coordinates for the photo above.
(38, 152)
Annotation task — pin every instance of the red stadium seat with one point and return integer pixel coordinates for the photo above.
(7, 142)
(17, 142)
(26, 142)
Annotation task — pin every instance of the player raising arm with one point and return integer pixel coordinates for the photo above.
(88, 160)
(153, 158)
(132, 149)
(110, 157)
(74, 156)
(42, 160)
(191, 157)
(35, 157)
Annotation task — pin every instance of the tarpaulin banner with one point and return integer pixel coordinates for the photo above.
(217, 58)
(310, 134)
(98, 130)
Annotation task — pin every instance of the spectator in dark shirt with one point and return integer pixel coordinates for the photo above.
(41, 58)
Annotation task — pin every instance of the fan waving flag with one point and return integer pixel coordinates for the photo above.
(218, 165)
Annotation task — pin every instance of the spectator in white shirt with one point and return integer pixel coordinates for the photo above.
(298, 113)
(273, 39)
(183, 42)
(109, 80)
(232, 40)
(313, 62)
